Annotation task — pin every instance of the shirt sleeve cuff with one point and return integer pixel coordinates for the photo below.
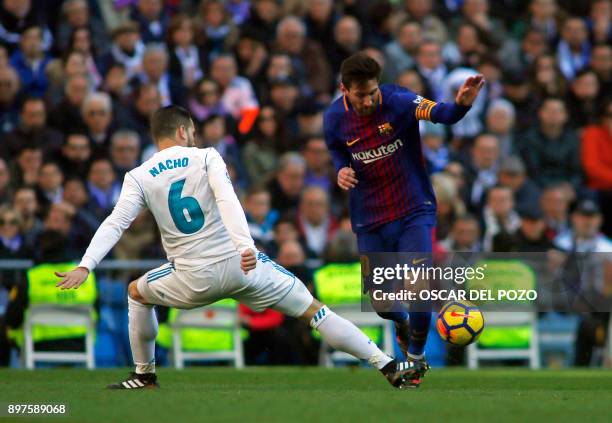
(88, 263)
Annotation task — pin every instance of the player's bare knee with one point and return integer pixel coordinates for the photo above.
(314, 307)
(134, 294)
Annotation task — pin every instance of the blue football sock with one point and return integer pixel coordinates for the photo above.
(419, 328)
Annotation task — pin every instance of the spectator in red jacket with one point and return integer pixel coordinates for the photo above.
(596, 156)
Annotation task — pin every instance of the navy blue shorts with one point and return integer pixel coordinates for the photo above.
(410, 234)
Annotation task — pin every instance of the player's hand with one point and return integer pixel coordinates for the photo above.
(248, 261)
(469, 90)
(72, 279)
(346, 178)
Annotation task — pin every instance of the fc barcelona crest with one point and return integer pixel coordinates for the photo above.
(385, 129)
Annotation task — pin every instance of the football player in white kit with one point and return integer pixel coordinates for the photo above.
(211, 254)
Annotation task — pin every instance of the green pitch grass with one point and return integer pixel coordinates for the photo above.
(313, 395)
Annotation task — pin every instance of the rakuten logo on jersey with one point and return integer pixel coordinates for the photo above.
(373, 154)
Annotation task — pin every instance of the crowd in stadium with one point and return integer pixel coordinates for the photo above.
(528, 169)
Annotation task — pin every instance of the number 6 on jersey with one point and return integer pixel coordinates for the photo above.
(194, 219)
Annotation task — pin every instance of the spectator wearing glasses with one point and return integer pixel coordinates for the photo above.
(97, 112)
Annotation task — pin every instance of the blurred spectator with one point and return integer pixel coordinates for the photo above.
(75, 194)
(598, 22)
(309, 118)
(279, 67)
(499, 216)
(30, 61)
(206, 100)
(237, 95)
(186, 62)
(286, 186)
(9, 87)
(543, 15)
(151, 19)
(103, 188)
(155, 72)
(449, 204)
(583, 99)
(435, 151)
(601, 64)
(555, 206)
(214, 134)
(422, 12)
(251, 55)
(76, 16)
(490, 30)
(66, 116)
(512, 174)
(307, 55)
(5, 183)
(481, 170)
(519, 55)
(415, 82)
(530, 237)
(137, 239)
(320, 20)
(27, 166)
(16, 16)
(49, 185)
(259, 154)
(546, 77)
(500, 122)
(573, 50)
(75, 156)
(97, 112)
(146, 101)
(219, 30)
(431, 67)
(81, 42)
(464, 235)
(284, 96)
(519, 92)
(124, 152)
(314, 220)
(551, 150)
(127, 48)
(117, 86)
(26, 204)
(12, 243)
(319, 169)
(596, 156)
(239, 10)
(263, 17)
(471, 124)
(260, 216)
(401, 52)
(31, 131)
(347, 41)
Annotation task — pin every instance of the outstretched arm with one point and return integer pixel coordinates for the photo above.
(451, 113)
(130, 202)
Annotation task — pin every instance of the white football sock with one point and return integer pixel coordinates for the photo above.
(342, 335)
(143, 330)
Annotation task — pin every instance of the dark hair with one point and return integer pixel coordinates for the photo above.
(166, 121)
(358, 69)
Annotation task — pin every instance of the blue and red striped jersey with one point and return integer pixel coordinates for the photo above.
(384, 149)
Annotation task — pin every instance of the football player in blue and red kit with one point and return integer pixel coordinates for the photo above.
(372, 133)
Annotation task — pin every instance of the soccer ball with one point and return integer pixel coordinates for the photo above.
(460, 323)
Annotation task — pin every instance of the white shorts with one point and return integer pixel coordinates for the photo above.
(269, 285)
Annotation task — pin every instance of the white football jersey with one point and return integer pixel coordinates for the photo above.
(190, 194)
